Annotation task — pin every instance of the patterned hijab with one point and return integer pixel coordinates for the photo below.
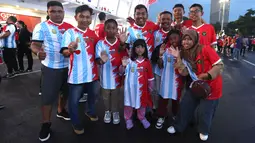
(191, 54)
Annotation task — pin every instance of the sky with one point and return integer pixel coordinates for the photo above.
(237, 7)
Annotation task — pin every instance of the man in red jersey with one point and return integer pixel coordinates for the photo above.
(100, 27)
(207, 35)
(178, 12)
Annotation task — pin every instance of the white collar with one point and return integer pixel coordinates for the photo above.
(111, 43)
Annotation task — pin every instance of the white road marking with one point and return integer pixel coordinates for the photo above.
(249, 62)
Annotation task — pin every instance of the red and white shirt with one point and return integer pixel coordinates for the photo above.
(82, 64)
(207, 35)
(109, 72)
(184, 23)
(146, 32)
(210, 58)
(136, 91)
(100, 31)
(50, 34)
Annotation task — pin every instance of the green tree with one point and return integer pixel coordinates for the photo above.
(245, 24)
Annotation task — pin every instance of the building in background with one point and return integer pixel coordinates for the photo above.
(217, 7)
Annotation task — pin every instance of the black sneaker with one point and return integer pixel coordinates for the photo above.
(64, 115)
(9, 75)
(1, 107)
(45, 132)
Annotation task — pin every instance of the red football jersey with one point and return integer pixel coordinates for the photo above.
(100, 31)
(207, 35)
(210, 58)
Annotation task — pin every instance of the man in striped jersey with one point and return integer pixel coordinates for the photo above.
(46, 44)
(10, 47)
(79, 43)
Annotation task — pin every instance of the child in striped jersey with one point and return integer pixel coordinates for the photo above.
(171, 81)
(109, 58)
(138, 84)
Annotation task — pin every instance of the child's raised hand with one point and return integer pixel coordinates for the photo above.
(162, 49)
(123, 35)
(104, 56)
(175, 52)
(124, 61)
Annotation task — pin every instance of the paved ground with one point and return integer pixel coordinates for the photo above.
(233, 123)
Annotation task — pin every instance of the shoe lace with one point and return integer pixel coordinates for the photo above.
(108, 114)
(116, 115)
(161, 120)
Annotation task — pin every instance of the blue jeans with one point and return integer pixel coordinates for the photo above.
(75, 93)
(205, 113)
(236, 53)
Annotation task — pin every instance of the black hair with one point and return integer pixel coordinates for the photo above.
(173, 31)
(155, 53)
(140, 6)
(83, 8)
(22, 23)
(54, 3)
(102, 16)
(197, 5)
(110, 21)
(47, 17)
(178, 5)
(139, 42)
(13, 19)
(166, 12)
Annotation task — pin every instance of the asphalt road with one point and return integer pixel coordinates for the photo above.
(234, 121)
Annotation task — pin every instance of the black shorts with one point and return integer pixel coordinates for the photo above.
(54, 83)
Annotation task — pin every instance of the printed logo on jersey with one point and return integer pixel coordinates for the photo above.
(199, 61)
(204, 33)
(169, 59)
(54, 31)
(132, 69)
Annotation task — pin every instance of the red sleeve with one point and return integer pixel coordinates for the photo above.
(211, 54)
(213, 38)
(150, 73)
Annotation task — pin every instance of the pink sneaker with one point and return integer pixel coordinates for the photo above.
(129, 124)
(146, 123)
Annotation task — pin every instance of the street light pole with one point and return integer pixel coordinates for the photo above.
(223, 2)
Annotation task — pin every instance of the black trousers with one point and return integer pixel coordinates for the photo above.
(10, 60)
(242, 53)
(25, 50)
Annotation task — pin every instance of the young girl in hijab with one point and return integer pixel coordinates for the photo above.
(200, 63)
(138, 84)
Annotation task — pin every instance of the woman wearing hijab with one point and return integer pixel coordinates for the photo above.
(23, 47)
(201, 63)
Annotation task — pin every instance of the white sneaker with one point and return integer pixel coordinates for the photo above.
(160, 123)
(203, 137)
(171, 130)
(116, 118)
(107, 117)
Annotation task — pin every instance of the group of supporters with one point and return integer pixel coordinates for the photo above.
(14, 44)
(235, 46)
(154, 63)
